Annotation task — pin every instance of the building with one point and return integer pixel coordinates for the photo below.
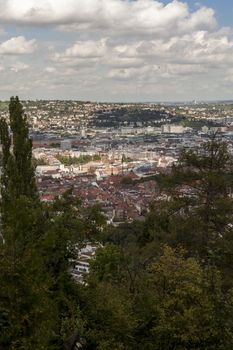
(66, 145)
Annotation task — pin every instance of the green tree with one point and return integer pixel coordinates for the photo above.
(24, 291)
(199, 206)
(106, 303)
(185, 304)
(37, 295)
(175, 304)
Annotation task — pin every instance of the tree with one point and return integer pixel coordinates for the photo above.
(17, 165)
(186, 306)
(199, 205)
(38, 297)
(176, 303)
(24, 292)
(106, 303)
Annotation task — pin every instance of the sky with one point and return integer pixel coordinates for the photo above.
(116, 50)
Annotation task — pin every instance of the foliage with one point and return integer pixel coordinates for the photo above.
(38, 161)
(38, 297)
(24, 294)
(176, 303)
(198, 124)
(82, 159)
(199, 206)
(127, 181)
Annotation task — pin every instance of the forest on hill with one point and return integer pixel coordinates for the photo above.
(162, 284)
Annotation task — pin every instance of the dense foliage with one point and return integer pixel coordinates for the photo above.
(38, 298)
(82, 159)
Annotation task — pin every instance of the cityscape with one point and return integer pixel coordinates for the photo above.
(116, 175)
(110, 154)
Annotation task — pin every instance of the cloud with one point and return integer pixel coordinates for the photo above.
(203, 18)
(84, 49)
(138, 74)
(200, 47)
(19, 66)
(82, 54)
(115, 47)
(51, 70)
(140, 16)
(18, 46)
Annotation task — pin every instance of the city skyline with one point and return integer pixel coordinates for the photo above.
(114, 50)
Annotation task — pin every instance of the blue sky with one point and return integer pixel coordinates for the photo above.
(113, 50)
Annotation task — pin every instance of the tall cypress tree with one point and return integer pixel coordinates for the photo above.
(38, 297)
(20, 170)
(17, 172)
(25, 305)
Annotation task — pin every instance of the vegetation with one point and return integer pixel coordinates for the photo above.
(167, 283)
(39, 161)
(125, 159)
(164, 302)
(127, 181)
(82, 159)
(133, 116)
(4, 106)
(38, 298)
(162, 284)
(198, 124)
(55, 144)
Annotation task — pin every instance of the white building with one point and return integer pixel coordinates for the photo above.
(173, 129)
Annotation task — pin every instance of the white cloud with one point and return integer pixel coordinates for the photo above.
(50, 70)
(136, 74)
(82, 54)
(118, 61)
(19, 66)
(18, 46)
(117, 46)
(140, 16)
(85, 49)
(174, 62)
(200, 47)
(203, 18)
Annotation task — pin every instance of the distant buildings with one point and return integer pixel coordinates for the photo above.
(81, 265)
(66, 145)
(173, 129)
(150, 136)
